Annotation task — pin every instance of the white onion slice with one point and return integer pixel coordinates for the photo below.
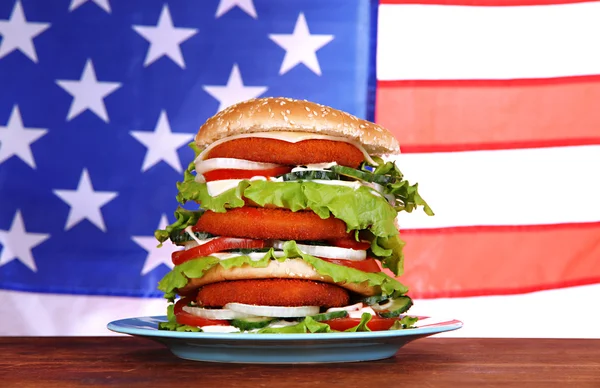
(273, 311)
(314, 167)
(328, 252)
(382, 307)
(391, 199)
(354, 307)
(377, 187)
(231, 163)
(197, 242)
(214, 313)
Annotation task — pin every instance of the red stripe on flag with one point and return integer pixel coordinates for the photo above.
(495, 3)
(476, 261)
(490, 114)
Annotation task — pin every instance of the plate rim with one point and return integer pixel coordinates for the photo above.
(440, 327)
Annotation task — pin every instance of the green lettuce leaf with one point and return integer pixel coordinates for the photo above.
(362, 325)
(183, 219)
(174, 326)
(407, 195)
(406, 322)
(229, 199)
(392, 253)
(308, 325)
(179, 275)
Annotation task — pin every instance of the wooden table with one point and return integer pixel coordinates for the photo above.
(428, 362)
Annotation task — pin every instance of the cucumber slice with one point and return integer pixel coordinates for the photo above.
(181, 236)
(371, 300)
(330, 315)
(251, 323)
(310, 175)
(394, 307)
(363, 175)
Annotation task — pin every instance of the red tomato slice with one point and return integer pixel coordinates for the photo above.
(217, 175)
(217, 245)
(351, 244)
(184, 318)
(375, 324)
(178, 308)
(367, 265)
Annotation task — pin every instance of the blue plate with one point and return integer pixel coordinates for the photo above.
(282, 348)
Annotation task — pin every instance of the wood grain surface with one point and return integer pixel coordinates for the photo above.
(428, 362)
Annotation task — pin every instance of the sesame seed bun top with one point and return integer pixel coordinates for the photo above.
(287, 114)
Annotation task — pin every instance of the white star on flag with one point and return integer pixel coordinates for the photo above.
(85, 203)
(18, 33)
(88, 93)
(162, 144)
(234, 91)
(16, 140)
(104, 4)
(227, 5)
(156, 256)
(17, 243)
(300, 47)
(165, 39)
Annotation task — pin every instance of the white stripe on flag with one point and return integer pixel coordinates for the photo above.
(558, 313)
(465, 42)
(31, 314)
(562, 313)
(505, 187)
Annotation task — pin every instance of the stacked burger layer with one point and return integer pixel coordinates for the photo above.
(295, 221)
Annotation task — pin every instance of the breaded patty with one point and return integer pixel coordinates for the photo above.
(294, 154)
(273, 292)
(271, 224)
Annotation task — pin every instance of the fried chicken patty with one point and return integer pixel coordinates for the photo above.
(294, 154)
(273, 292)
(271, 224)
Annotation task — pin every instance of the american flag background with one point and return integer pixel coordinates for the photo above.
(496, 104)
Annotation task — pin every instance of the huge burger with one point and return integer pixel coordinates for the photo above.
(292, 225)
